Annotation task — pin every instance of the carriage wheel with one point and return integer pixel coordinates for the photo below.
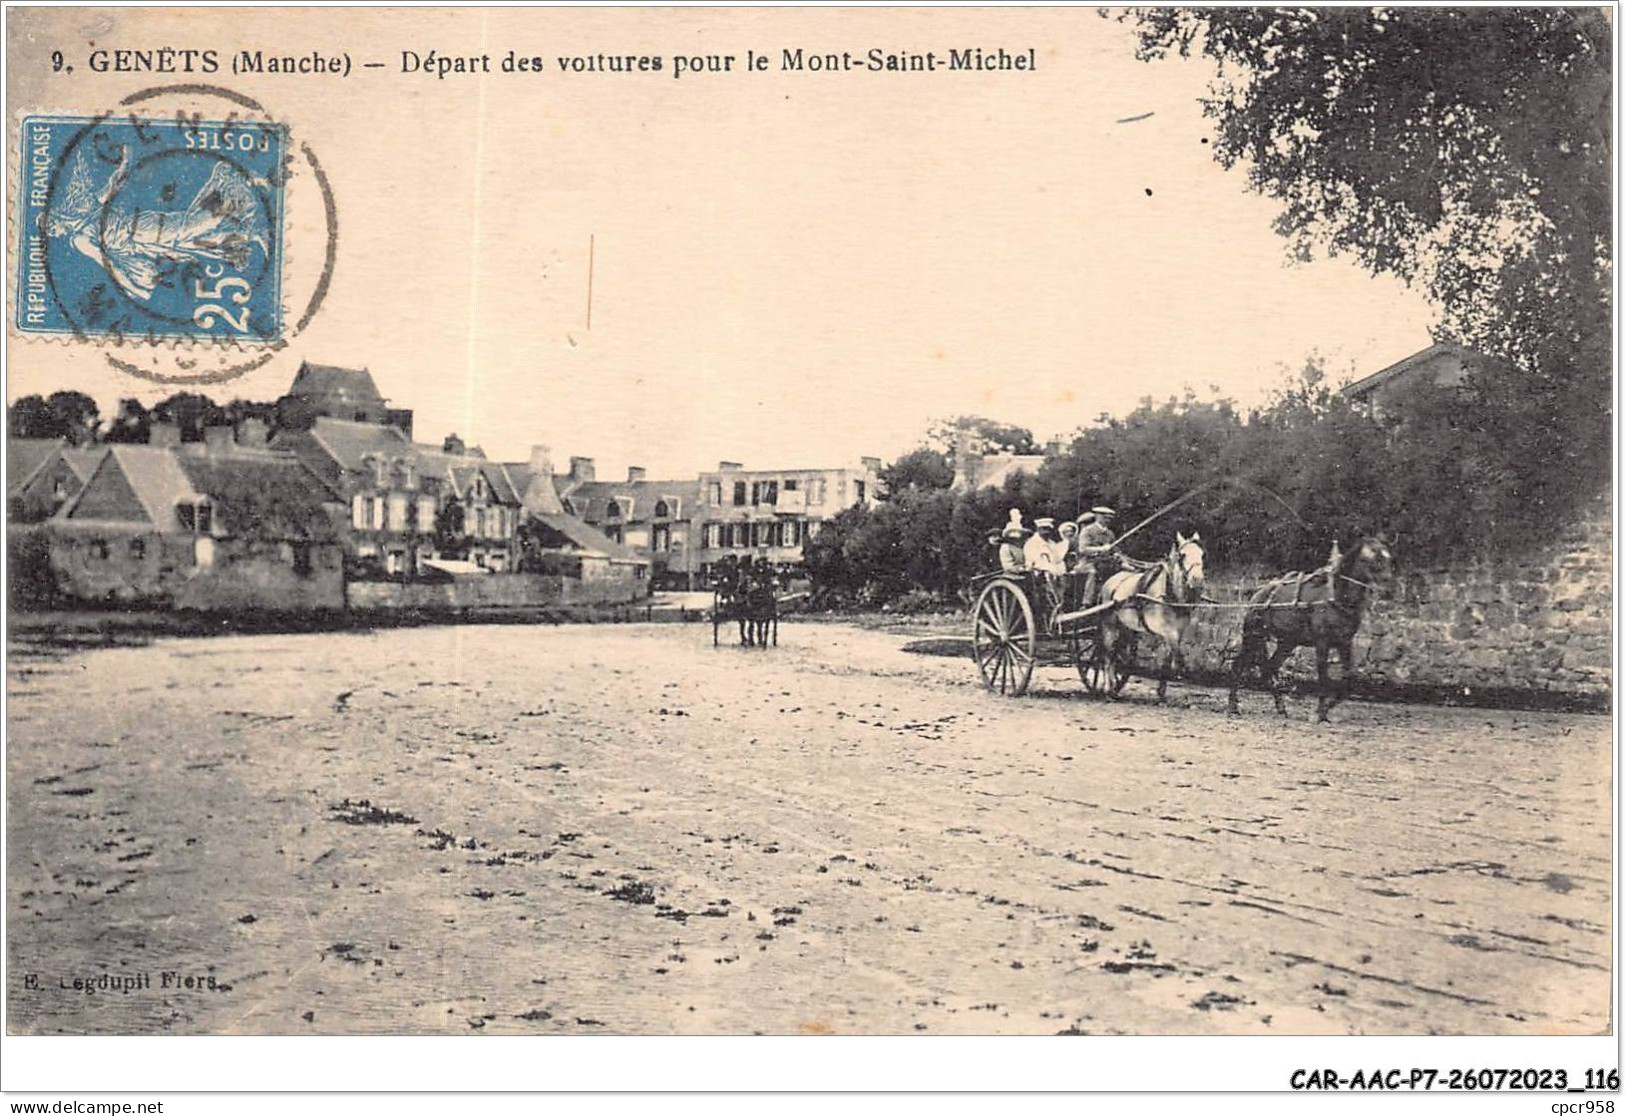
(1003, 638)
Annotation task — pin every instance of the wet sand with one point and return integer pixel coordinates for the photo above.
(618, 829)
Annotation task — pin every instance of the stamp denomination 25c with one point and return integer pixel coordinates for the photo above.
(140, 229)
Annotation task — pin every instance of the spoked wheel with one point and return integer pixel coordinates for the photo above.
(1101, 671)
(1004, 639)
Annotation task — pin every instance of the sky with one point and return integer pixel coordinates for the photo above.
(786, 269)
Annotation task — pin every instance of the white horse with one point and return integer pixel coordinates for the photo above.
(1158, 600)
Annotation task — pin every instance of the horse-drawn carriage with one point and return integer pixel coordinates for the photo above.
(1023, 618)
(746, 592)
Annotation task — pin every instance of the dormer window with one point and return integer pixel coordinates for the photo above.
(662, 510)
(613, 511)
(196, 516)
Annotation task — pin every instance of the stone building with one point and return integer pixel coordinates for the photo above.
(654, 519)
(351, 394)
(43, 474)
(201, 526)
(773, 512)
(412, 506)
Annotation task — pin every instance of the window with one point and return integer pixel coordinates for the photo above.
(399, 518)
(859, 485)
(205, 519)
(186, 516)
(662, 538)
(661, 510)
(764, 492)
(358, 511)
(791, 485)
(138, 549)
(426, 515)
(613, 511)
(716, 493)
(638, 571)
(98, 549)
(739, 494)
(301, 559)
(816, 491)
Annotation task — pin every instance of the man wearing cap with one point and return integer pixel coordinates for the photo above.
(1096, 543)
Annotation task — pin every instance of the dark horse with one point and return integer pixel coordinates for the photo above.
(1323, 608)
(746, 592)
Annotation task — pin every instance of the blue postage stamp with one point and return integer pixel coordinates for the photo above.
(138, 230)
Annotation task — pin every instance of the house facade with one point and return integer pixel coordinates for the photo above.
(201, 526)
(411, 506)
(772, 513)
(654, 519)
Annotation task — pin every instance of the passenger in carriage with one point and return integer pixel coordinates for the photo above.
(1011, 558)
(1045, 549)
(1069, 562)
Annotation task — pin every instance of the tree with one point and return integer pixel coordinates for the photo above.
(76, 414)
(922, 468)
(994, 436)
(450, 538)
(191, 411)
(29, 417)
(1467, 151)
(64, 414)
(131, 425)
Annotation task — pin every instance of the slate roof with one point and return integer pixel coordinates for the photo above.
(83, 462)
(588, 539)
(351, 386)
(25, 457)
(460, 470)
(523, 476)
(349, 443)
(591, 498)
(264, 493)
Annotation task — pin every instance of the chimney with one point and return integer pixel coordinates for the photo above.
(253, 432)
(729, 466)
(401, 419)
(870, 464)
(636, 473)
(166, 434)
(967, 460)
(453, 445)
(540, 497)
(218, 437)
(581, 469)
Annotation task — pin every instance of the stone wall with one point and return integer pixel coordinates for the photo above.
(492, 591)
(1540, 622)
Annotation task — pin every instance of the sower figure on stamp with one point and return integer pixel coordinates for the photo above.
(1096, 546)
